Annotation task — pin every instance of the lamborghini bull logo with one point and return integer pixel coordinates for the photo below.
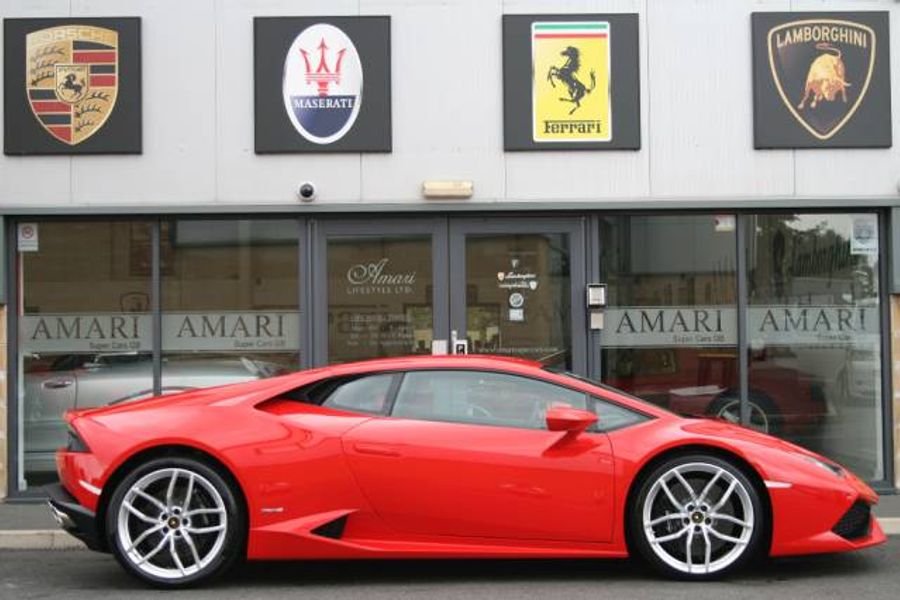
(813, 63)
(826, 77)
(568, 76)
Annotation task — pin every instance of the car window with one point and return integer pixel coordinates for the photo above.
(611, 416)
(366, 394)
(481, 397)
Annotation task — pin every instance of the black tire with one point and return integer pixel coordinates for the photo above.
(639, 538)
(230, 549)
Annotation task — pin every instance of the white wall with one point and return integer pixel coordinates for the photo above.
(696, 111)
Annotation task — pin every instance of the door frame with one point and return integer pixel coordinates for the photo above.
(575, 227)
(323, 229)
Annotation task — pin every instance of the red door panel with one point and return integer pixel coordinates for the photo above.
(435, 478)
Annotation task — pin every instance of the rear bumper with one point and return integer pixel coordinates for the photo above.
(73, 517)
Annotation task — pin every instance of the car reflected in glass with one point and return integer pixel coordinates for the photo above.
(63, 382)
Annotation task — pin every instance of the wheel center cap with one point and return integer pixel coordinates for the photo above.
(174, 522)
(697, 517)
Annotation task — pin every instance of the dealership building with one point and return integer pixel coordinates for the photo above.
(696, 202)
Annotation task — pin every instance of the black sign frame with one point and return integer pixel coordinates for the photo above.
(274, 132)
(624, 83)
(776, 125)
(121, 133)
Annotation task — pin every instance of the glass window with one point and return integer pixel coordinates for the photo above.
(670, 331)
(367, 394)
(611, 416)
(814, 333)
(229, 300)
(379, 297)
(518, 296)
(481, 398)
(84, 329)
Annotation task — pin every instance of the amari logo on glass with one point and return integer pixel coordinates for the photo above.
(322, 83)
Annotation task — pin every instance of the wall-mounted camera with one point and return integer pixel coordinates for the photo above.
(307, 191)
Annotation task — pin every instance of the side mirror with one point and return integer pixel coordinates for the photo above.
(565, 418)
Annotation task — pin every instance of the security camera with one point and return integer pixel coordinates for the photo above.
(307, 191)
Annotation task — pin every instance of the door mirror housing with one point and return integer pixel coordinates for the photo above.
(572, 420)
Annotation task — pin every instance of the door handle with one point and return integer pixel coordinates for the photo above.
(376, 449)
(57, 384)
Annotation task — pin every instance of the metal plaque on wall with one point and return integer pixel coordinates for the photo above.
(72, 86)
(571, 82)
(821, 80)
(322, 84)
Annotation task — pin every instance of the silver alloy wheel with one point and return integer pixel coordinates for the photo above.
(172, 523)
(698, 518)
(731, 412)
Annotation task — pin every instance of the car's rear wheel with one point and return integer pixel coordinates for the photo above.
(697, 517)
(175, 522)
(763, 415)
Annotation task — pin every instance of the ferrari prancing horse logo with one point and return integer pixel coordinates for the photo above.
(71, 79)
(822, 69)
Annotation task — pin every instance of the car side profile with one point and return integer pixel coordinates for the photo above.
(440, 457)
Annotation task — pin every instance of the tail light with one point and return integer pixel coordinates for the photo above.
(75, 443)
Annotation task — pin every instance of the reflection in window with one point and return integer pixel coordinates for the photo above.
(379, 297)
(518, 296)
(670, 331)
(814, 333)
(229, 300)
(84, 330)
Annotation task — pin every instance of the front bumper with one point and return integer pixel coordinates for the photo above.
(825, 518)
(73, 517)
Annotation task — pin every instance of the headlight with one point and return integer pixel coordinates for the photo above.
(75, 443)
(830, 467)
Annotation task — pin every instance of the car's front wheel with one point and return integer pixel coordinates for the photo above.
(174, 522)
(697, 517)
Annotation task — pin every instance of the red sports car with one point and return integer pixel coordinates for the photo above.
(440, 457)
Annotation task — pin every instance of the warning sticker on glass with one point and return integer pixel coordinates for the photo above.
(864, 237)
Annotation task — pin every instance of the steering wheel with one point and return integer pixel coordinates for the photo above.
(476, 410)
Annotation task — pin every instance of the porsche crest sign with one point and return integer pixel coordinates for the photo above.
(821, 79)
(80, 82)
(70, 77)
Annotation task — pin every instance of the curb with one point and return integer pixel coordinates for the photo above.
(891, 525)
(57, 539)
(38, 539)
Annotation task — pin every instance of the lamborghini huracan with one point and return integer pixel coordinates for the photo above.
(440, 457)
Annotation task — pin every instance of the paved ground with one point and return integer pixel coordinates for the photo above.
(81, 574)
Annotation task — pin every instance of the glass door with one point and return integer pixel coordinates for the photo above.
(517, 289)
(380, 289)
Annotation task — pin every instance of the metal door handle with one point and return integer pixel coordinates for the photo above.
(57, 384)
(376, 449)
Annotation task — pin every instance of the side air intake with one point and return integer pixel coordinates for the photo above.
(332, 529)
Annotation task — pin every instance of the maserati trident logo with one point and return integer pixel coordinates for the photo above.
(822, 69)
(322, 83)
(71, 79)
